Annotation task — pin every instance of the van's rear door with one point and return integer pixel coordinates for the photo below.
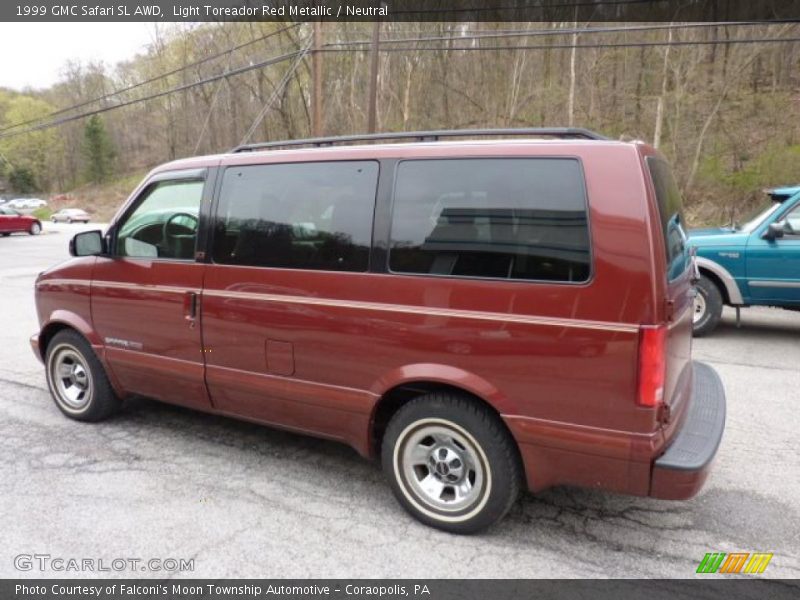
(677, 288)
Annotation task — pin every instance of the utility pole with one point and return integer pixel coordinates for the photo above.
(373, 77)
(316, 74)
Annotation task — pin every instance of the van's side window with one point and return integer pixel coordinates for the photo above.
(501, 218)
(164, 223)
(297, 215)
(670, 207)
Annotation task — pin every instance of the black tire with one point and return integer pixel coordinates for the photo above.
(35, 229)
(99, 401)
(6, 234)
(710, 299)
(478, 436)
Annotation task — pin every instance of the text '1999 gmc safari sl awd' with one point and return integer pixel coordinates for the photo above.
(483, 315)
(755, 263)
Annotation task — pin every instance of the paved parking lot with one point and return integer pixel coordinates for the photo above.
(241, 500)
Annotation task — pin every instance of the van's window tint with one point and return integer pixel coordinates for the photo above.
(501, 218)
(164, 223)
(670, 208)
(300, 215)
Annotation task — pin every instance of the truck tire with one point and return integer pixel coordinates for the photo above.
(707, 307)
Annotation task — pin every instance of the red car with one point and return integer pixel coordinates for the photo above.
(11, 221)
(483, 316)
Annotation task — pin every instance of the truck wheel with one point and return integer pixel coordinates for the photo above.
(451, 463)
(707, 307)
(77, 381)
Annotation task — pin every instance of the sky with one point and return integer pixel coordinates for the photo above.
(33, 54)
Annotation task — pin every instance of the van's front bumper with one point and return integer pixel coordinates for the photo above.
(680, 472)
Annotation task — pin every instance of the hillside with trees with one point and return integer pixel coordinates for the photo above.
(720, 101)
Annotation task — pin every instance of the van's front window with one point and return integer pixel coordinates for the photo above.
(164, 224)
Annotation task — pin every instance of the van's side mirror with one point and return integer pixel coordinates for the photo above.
(774, 231)
(87, 243)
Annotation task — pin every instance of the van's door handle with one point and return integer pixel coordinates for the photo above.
(190, 306)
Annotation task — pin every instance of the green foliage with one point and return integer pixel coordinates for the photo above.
(43, 214)
(98, 150)
(777, 164)
(30, 154)
(22, 180)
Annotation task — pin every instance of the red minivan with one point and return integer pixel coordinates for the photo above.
(507, 309)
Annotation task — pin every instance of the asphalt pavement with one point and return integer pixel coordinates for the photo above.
(239, 500)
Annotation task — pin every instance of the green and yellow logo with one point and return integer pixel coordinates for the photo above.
(735, 562)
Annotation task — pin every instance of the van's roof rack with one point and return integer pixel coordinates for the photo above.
(426, 136)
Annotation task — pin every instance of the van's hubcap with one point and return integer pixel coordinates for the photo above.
(71, 378)
(442, 468)
(699, 307)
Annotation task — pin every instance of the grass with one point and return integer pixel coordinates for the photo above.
(43, 214)
(101, 201)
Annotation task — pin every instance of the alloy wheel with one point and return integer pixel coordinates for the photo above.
(442, 466)
(70, 378)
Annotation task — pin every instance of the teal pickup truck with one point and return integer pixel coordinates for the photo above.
(756, 263)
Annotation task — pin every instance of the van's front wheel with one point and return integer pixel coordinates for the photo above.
(707, 307)
(77, 381)
(451, 463)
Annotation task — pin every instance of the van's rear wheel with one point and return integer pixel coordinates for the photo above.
(77, 381)
(451, 463)
(707, 307)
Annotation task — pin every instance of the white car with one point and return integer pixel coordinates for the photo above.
(70, 215)
(26, 203)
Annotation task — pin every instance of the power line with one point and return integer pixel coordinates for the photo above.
(278, 88)
(522, 7)
(329, 48)
(475, 36)
(211, 106)
(551, 32)
(570, 46)
(151, 79)
(180, 88)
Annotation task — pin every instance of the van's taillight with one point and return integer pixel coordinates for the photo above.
(652, 366)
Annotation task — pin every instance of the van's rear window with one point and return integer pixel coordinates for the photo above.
(670, 208)
(503, 218)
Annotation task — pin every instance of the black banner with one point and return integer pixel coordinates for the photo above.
(400, 10)
(740, 588)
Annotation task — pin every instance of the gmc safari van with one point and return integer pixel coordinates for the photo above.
(483, 315)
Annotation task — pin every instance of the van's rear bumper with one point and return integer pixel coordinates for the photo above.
(680, 472)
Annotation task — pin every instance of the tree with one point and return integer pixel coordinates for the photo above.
(31, 151)
(22, 180)
(98, 150)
